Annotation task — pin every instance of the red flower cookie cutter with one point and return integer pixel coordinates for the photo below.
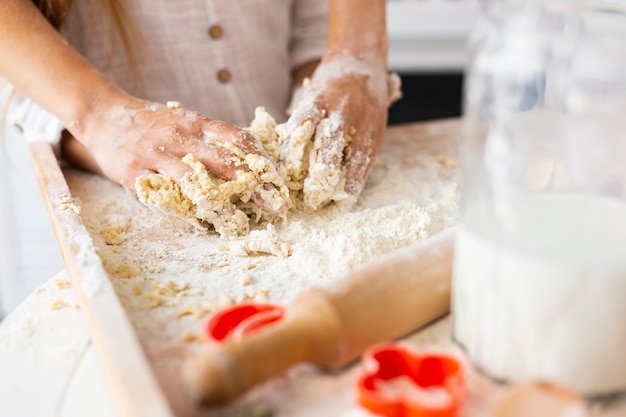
(239, 320)
(399, 382)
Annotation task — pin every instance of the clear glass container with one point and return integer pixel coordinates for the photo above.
(539, 286)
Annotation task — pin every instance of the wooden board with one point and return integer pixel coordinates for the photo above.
(129, 376)
(144, 380)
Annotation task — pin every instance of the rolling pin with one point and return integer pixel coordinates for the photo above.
(333, 326)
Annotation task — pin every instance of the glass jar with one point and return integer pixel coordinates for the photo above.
(539, 284)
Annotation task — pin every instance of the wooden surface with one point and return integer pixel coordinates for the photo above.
(130, 378)
(144, 381)
(127, 366)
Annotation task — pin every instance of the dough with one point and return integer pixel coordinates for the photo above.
(288, 180)
(204, 200)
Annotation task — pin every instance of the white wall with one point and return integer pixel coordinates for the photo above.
(29, 254)
(429, 35)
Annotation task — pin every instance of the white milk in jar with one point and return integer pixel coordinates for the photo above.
(539, 279)
(543, 299)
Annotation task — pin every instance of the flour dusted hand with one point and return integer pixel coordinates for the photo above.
(132, 138)
(323, 153)
(335, 131)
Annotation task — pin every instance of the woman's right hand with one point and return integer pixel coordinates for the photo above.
(128, 137)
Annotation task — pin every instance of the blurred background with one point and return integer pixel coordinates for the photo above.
(426, 48)
(427, 40)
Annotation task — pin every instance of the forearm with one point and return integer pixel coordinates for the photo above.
(358, 27)
(43, 66)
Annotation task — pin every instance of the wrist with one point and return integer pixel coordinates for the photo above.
(90, 109)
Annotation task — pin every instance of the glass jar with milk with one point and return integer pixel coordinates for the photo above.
(539, 286)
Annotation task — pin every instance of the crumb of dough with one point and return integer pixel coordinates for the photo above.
(263, 127)
(225, 301)
(68, 203)
(190, 337)
(62, 284)
(261, 295)
(137, 290)
(59, 304)
(124, 270)
(162, 192)
(155, 299)
(446, 161)
(187, 292)
(187, 311)
(169, 288)
(202, 312)
(246, 280)
(114, 230)
(261, 242)
(174, 105)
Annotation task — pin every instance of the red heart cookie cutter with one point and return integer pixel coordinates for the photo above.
(399, 382)
(239, 320)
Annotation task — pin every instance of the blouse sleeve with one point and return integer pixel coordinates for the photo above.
(310, 21)
(34, 122)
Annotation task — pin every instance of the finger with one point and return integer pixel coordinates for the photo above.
(225, 135)
(130, 180)
(359, 160)
(325, 162)
(298, 132)
(257, 175)
(219, 160)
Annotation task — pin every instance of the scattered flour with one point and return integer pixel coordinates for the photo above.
(170, 275)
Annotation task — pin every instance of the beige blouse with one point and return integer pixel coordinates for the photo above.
(219, 57)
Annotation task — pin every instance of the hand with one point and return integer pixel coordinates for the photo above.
(130, 137)
(344, 111)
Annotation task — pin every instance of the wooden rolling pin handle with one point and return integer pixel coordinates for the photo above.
(383, 301)
(308, 332)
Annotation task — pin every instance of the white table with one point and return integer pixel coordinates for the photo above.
(48, 366)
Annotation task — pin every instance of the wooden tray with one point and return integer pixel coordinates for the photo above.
(144, 380)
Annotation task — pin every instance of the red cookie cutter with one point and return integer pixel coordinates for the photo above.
(239, 320)
(437, 381)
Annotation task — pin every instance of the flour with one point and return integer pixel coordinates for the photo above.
(401, 203)
(170, 276)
